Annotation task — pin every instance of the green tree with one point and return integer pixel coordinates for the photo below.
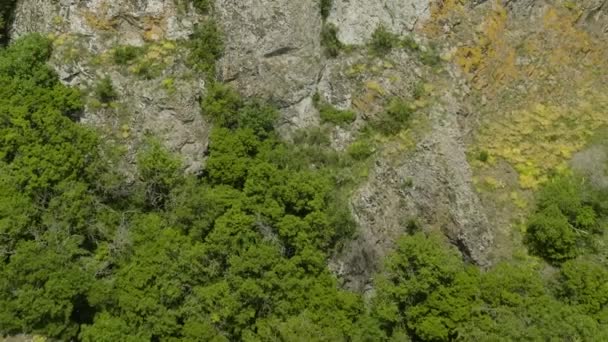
(159, 172)
(427, 289)
(565, 221)
(583, 282)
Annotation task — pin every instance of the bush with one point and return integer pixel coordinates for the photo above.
(410, 44)
(565, 221)
(483, 156)
(104, 90)
(202, 5)
(395, 118)
(383, 41)
(330, 41)
(325, 8)
(550, 235)
(6, 11)
(206, 46)
(159, 171)
(360, 150)
(315, 136)
(226, 108)
(123, 55)
(419, 90)
(430, 56)
(146, 69)
(584, 282)
(336, 116)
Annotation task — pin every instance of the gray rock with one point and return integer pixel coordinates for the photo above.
(357, 19)
(273, 51)
(592, 163)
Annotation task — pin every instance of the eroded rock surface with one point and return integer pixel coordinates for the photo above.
(428, 188)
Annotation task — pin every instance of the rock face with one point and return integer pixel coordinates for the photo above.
(163, 104)
(431, 188)
(273, 51)
(357, 19)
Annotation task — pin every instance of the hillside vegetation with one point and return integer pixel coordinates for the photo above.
(240, 252)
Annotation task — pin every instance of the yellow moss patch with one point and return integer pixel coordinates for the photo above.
(440, 12)
(543, 137)
(356, 69)
(374, 86)
(490, 61)
(99, 21)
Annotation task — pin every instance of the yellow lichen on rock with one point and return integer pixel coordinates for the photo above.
(490, 61)
(538, 86)
(541, 138)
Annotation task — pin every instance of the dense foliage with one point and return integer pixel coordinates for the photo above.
(6, 10)
(240, 251)
(325, 7)
(237, 254)
(206, 46)
(429, 293)
(568, 220)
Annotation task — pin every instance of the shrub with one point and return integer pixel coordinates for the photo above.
(325, 8)
(565, 221)
(206, 46)
(159, 171)
(410, 44)
(383, 41)
(395, 117)
(419, 90)
(226, 108)
(6, 10)
(313, 137)
(483, 156)
(550, 235)
(123, 55)
(330, 41)
(336, 116)
(202, 5)
(360, 150)
(430, 56)
(104, 90)
(147, 69)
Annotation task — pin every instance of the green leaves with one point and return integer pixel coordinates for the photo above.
(240, 251)
(584, 283)
(206, 45)
(41, 286)
(225, 107)
(427, 288)
(159, 172)
(430, 291)
(566, 220)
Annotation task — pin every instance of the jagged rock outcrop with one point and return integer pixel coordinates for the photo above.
(431, 188)
(163, 104)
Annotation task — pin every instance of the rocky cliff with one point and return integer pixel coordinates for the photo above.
(478, 74)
